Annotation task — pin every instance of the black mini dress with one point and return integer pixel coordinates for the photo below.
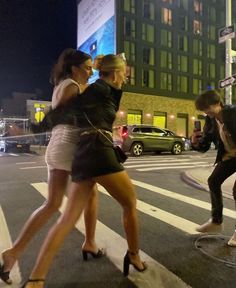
(95, 155)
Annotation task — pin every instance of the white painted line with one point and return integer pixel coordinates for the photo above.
(162, 164)
(23, 163)
(13, 154)
(5, 242)
(173, 167)
(33, 167)
(158, 160)
(179, 197)
(171, 219)
(155, 276)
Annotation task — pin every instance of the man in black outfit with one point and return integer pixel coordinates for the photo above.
(220, 125)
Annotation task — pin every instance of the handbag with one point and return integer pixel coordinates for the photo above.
(120, 154)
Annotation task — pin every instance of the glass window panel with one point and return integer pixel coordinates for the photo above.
(166, 16)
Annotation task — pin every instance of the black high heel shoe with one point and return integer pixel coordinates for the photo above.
(4, 276)
(99, 254)
(31, 280)
(127, 262)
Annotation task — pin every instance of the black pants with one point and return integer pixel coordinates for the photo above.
(222, 171)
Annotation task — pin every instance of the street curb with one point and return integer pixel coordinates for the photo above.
(188, 180)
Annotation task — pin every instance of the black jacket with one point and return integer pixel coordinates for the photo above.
(211, 133)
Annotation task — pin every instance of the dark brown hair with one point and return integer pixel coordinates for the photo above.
(206, 99)
(68, 58)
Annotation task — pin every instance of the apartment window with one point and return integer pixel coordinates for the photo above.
(197, 7)
(211, 51)
(148, 32)
(183, 43)
(197, 67)
(211, 70)
(197, 27)
(212, 14)
(129, 6)
(134, 117)
(148, 10)
(166, 60)
(167, 1)
(166, 38)
(130, 75)
(129, 49)
(183, 22)
(182, 84)
(148, 78)
(148, 55)
(182, 63)
(129, 27)
(183, 4)
(166, 81)
(159, 119)
(166, 16)
(197, 47)
(211, 32)
(197, 86)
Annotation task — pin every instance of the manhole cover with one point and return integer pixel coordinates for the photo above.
(215, 246)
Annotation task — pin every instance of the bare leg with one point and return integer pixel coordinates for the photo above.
(78, 198)
(57, 182)
(90, 219)
(121, 188)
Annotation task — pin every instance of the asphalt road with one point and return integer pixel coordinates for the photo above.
(169, 211)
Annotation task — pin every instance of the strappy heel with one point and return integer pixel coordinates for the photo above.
(31, 280)
(99, 254)
(4, 276)
(128, 262)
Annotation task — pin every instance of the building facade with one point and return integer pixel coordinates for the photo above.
(173, 54)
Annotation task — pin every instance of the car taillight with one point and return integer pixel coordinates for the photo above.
(124, 134)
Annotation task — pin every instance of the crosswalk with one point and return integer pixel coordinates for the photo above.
(115, 244)
(151, 163)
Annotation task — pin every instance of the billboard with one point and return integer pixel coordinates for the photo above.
(96, 31)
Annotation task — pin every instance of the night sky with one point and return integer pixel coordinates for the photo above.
(32, 35)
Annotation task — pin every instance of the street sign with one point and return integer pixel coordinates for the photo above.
(226, 33)
(227, 81)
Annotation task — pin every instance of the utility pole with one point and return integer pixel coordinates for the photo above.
(228, 57)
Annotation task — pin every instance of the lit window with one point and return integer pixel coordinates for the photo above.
(166, 16)
(197, 7)
(197, 27)
(197, 86)
(211, 51)
(129, 27)
(183, 43)
(129, 49)
(197, 47)
(166, 60)
(197, 67)
(131, 75)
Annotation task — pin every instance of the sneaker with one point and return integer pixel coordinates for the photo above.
(210, 227)
(232, 241)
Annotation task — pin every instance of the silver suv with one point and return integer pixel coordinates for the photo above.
(137, 139)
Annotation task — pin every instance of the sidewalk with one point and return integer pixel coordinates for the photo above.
(197, 178)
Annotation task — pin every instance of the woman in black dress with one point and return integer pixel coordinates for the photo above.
(95, 162)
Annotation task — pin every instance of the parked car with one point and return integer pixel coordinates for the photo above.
(14, 144)
(137, 139)
(187, 142)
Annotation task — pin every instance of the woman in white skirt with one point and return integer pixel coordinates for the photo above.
(69, 76)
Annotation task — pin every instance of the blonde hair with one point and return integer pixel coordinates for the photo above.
(108, 63)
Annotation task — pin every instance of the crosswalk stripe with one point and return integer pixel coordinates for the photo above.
(163, 164)
(33, 167)
(5, 242)
(171, 219)
(172, 167)
(155, 276)
(183, 198)
(145, 160)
